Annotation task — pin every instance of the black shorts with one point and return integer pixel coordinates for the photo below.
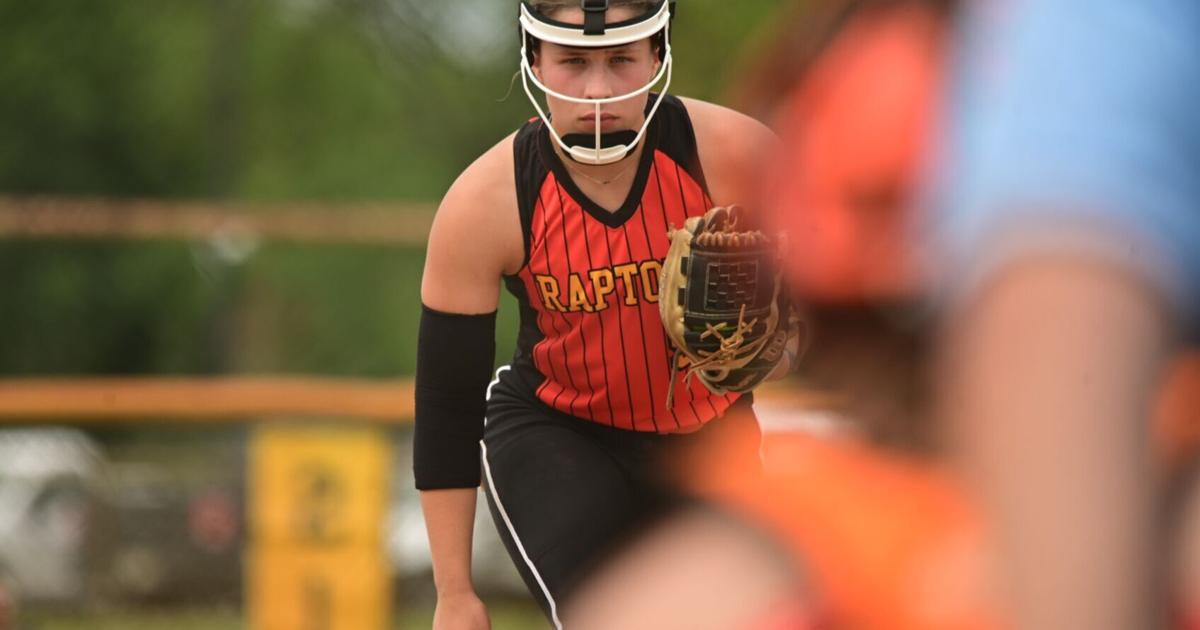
(565, 491)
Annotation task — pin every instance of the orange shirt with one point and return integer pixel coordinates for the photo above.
(885, 543)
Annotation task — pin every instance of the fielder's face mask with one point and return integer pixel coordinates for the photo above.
(596, 33)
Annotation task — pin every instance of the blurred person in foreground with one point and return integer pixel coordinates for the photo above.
(1071, 211)
(1071, 220)
(571, 214)
(831, 534)
(834, 533)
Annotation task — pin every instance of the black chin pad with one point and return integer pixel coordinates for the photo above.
(612, 139)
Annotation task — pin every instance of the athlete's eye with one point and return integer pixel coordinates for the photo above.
(621, 59)
(573, 61)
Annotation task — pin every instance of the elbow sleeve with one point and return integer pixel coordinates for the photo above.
(454, 364)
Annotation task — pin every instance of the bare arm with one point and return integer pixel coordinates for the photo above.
(474, 240)
(449, 519)
(1047, 371)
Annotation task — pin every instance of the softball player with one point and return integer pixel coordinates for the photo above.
(571, 214)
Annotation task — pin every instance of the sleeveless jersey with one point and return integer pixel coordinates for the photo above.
(591, 343)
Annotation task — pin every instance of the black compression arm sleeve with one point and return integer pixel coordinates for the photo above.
(454, 363)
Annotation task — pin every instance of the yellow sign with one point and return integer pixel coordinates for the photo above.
(318, 496)
(319, 486)
(318, 589)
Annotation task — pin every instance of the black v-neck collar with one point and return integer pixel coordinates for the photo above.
(618, 217)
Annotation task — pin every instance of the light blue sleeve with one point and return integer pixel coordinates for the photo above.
(1077, 114)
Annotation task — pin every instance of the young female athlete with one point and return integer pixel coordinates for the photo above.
(571, 212)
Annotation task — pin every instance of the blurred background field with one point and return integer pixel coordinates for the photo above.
(249, 112)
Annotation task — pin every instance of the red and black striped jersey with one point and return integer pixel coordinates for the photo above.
(591, 343)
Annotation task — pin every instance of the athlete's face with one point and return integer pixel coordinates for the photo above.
(594, 74)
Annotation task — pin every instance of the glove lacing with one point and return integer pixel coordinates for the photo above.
(728, 351)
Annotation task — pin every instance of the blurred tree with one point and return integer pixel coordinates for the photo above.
(84, 110)
(257, 101)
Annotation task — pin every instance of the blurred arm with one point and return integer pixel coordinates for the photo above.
(1070, 211)
(699, 570)
(1047, 374)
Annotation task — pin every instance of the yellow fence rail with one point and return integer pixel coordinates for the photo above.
(204, 399)
(138, 219)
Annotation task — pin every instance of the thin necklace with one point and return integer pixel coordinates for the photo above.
(603, 182)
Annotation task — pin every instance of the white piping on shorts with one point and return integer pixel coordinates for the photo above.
(508, 523)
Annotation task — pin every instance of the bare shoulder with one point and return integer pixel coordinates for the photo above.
(487, 182)
(712, 117)
(480, 207)
(476, 236)
(732, 147)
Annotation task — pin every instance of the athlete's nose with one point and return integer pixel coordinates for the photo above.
(599, 84)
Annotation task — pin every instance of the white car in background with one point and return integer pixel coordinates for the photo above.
(47, 491)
